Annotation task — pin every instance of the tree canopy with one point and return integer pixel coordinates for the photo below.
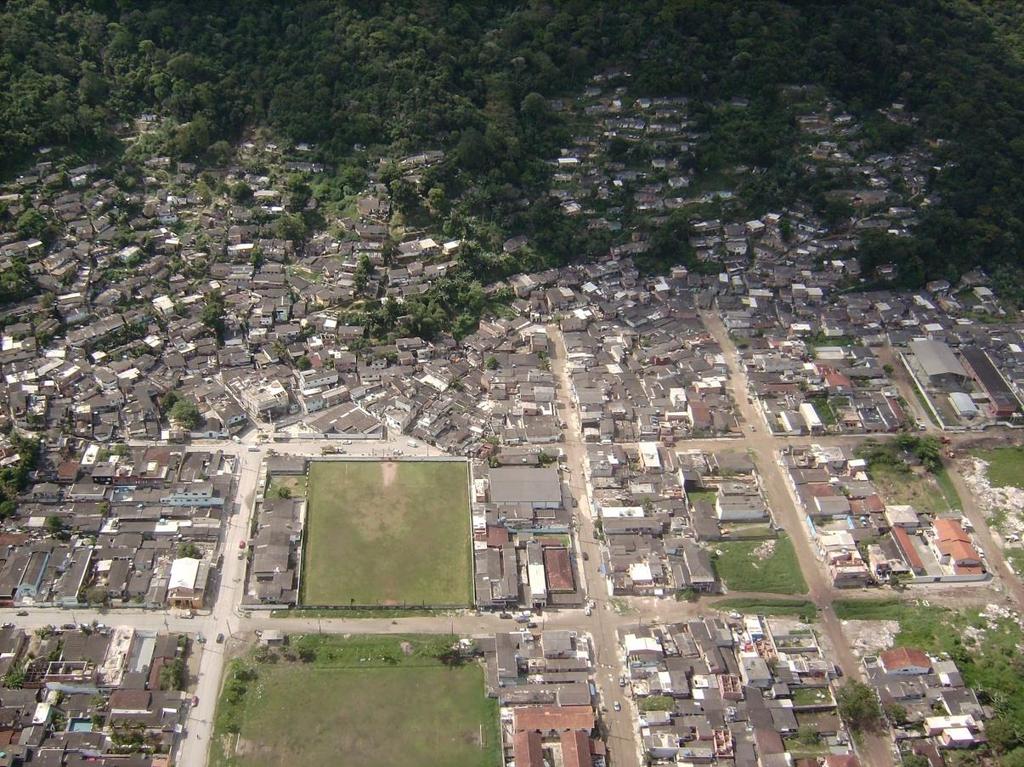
(474, 78)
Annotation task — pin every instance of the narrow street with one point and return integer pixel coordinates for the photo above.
(874, 750)
(622, 745)
(195, 745)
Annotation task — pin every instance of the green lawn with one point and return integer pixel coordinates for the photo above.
(387, 533)
(294, 487)
(741, 570)
(1015, 558)
(359, 702)
(823, 408)
(370, 612)
(805, 748)
(811, 696)
(926, 493)
(1005, 466)
(800, 608)
(949, 492)
(920, 626)
(695, 496)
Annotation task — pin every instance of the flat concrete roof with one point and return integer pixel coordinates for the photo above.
(522, 484)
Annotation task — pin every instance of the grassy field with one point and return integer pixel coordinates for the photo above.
(1015, 558)
(388, 532)
(799, 608)
(922, 491)
(1005, 466)
(920, 626)
(986, 650)
(696, 496)
(369, 612)
(294, 487)
(355, 702)
(811, 696)
(741, 569)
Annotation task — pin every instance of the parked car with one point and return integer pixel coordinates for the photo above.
(622, 681)
(195, 700)
(505, 615)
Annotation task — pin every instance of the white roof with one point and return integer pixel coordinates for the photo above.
(633, 643)
(184, 572)
(640, 572)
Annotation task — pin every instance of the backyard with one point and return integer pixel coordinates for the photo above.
(928, 493)
(769, 566)
(908, 470)
(387, 533)
(284, 486)
(355, 702)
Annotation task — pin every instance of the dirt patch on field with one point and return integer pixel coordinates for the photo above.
(765, 550)
(388, 473)
(1005, 502)
(870, 637)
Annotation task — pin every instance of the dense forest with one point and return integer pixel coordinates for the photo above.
(473, 78)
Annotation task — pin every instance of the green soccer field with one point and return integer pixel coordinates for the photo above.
(387, 533)
(364, 701)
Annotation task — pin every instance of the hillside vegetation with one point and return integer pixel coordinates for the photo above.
(465, 76)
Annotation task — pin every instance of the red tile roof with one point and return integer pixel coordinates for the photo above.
(554, 718)
(904, 657)
(575, 750)
(558, 569)
(527, 750)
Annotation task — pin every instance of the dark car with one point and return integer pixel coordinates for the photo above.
(220, 639)
(505, 615)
